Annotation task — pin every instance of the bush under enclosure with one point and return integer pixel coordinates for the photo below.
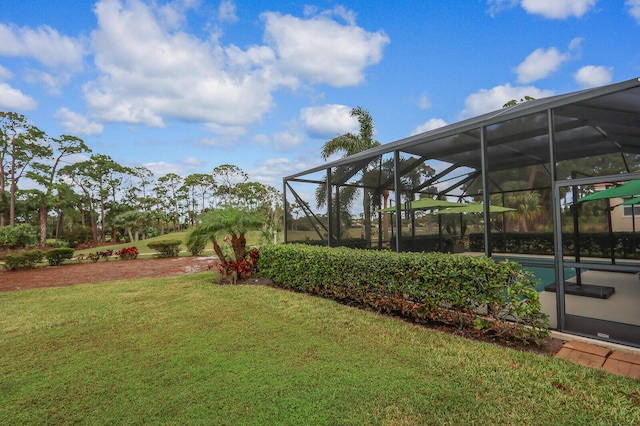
(475, 293)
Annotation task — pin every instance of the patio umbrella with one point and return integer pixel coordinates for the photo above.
(423, 204)
(475, 208)
(630, 201)
(628, 189)
(430, 203)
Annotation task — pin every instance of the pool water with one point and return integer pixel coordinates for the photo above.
(547, 275)
(542, 270)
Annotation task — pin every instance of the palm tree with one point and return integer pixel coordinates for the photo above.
(228, 221)
(349, 144)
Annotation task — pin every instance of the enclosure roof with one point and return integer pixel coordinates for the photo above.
(591, 122)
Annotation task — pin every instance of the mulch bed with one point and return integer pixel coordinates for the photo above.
(79, 273)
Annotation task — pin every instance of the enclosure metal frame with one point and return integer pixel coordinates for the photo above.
(613, 111)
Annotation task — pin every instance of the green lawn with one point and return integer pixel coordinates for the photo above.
(182, 350)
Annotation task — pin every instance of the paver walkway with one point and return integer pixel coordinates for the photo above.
(616, 362)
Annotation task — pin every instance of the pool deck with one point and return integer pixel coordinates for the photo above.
(622, 307)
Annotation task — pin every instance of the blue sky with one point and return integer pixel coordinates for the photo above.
(184, 86)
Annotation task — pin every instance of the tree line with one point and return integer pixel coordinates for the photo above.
(68, 192)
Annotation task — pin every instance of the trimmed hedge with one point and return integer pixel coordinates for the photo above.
(469, 292)
(344, 242)
(594, 244)
(166, 248)
(24, 260)
(56, 257)
(426, 243)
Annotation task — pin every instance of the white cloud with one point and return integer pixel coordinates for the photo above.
(593, 76)
(43, 44)
(76, 124)
(320, 50)
(148, 74)
(539, 64)
(424, 102)
(287, 140)
(262, 139)
(171, 15)
(192, 163)
(216, 142)
(634, 9)
(347, 15)
(14, 100)
(552, 9)
(5, 74)
(61, 55)
(272, 170)
(53, 82)
(493, 99)
(558, 9)
(227, 11)
(162, 168)
(430, 124)
(328, 121)
(76, 158)
(497, 6)
(576, 44)
(226, 131)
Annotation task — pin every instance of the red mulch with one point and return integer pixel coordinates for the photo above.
(58, 276)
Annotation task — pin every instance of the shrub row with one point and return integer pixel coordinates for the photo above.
(57, 256)
(425, 243)
(25, 260)
(474, 293)
(30, 258)
(596, 244)
(344, 242)
(166, 248)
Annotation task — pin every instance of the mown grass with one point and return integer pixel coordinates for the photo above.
(181, 350)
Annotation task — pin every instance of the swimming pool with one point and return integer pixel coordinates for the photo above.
(541, 268)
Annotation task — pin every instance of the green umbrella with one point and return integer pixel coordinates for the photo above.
(628, 189)
(430, 203)
(475, 208)
(423, 204)
(387, 209)
(635, 200)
